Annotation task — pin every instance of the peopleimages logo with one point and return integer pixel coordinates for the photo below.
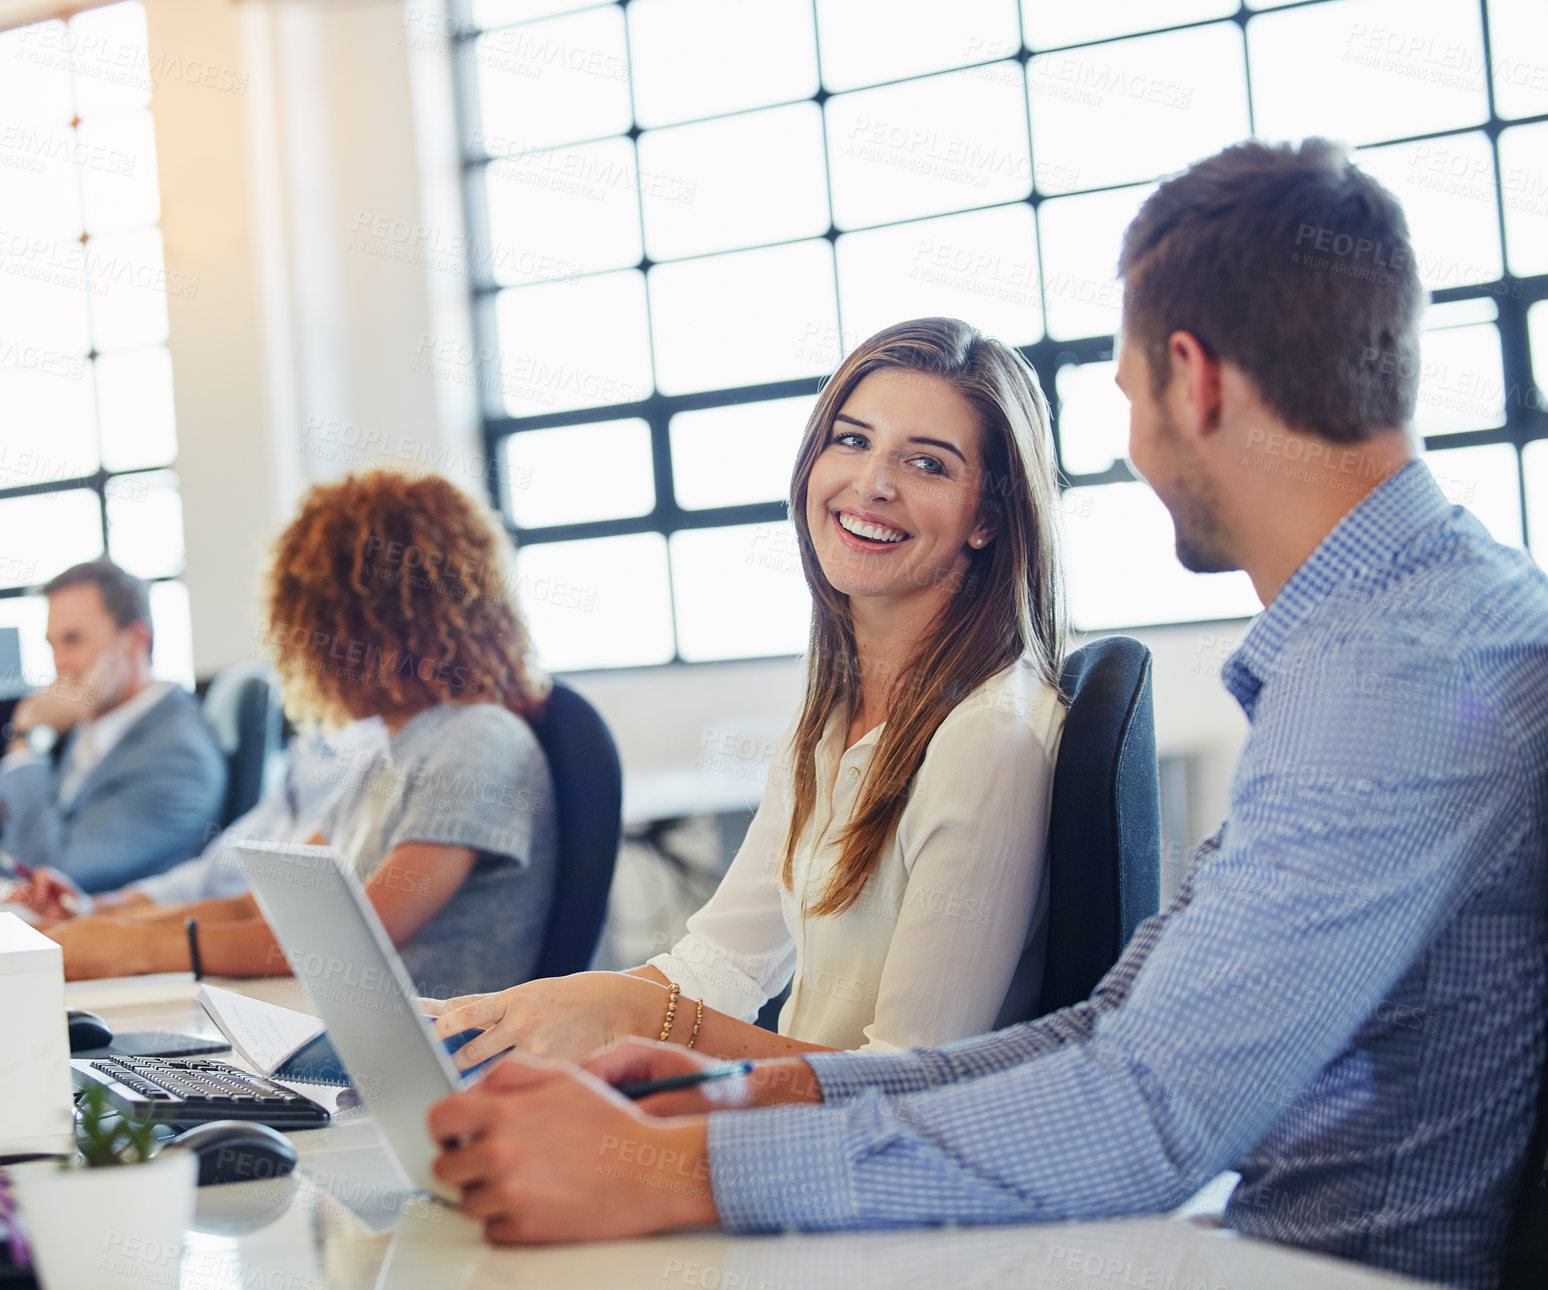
(34, 149)
(89, 267)
(52, 44)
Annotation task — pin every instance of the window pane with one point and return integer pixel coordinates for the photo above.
(928, 147)
(501, 13)
(1081, 235)
(1447, 188)
(572, 474)
(29, 616)
(117, 158)
(739, 592)
(18, 567)
(1367, 70)
(560, 212)
(1135, 109)
(39, 186)
(1050, 25)
(129, 284)
(737, 455)
(866, 41)
(1461, 381)
(1534, 465)
(1524, 179)
(134, 408)
(552, 82)
(1093, 418)
(48, 532)
(1460, 313)
(698, 58)
(42, 300)
(1121, 564)
(145, 523)
(172, 653)
(980, 267)
(744, 318)
(1483, 479)
(740, 181)
(1518, 39)
(576, 344)
(110, 53)
(47, 430)
(35, 75)
(604, 602)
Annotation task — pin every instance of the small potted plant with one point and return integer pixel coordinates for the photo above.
(115, 1214)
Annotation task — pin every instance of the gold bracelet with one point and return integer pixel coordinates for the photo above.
(666, 1028)
(698, 1020)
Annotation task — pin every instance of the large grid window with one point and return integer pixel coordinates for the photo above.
(86, 420)
(684, 212)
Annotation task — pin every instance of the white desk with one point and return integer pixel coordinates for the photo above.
(341, 1224)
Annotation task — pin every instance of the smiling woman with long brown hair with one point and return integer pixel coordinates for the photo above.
(893, 872)
(390, 596)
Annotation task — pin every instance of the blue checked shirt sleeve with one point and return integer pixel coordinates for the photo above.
(1326, 883)
(846, 1075)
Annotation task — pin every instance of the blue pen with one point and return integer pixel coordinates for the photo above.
(645, 1088)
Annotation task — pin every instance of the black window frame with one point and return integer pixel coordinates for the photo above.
(1526, 413)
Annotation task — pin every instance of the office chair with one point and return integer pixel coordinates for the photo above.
(244, 710)
(1104, 828)
(588, 788)
(1526, 1252)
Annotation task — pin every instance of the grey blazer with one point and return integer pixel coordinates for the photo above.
(150, 803)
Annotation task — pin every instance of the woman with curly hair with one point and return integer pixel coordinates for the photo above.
(389, 596)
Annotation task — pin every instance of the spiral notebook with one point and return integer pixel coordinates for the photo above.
(276, 1042)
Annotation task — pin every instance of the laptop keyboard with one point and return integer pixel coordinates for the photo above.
(191, 1090)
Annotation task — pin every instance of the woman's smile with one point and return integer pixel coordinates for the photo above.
(862, 531)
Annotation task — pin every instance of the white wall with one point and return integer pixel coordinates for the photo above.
(296, 358)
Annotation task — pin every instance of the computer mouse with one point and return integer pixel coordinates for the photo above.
(87, 1030)
(236, 1151)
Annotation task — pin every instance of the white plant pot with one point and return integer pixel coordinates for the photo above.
(111, 1228)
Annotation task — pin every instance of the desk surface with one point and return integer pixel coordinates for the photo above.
(344, 1222)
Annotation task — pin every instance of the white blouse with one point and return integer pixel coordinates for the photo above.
(926, 953)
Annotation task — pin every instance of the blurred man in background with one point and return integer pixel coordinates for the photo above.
(108, 776)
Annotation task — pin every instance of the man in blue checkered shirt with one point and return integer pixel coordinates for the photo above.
(1346, 1000)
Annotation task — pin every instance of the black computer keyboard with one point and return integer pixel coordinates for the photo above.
(191, 1090)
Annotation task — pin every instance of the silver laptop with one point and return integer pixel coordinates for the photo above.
(340, 952)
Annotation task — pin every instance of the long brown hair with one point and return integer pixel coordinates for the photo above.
(1010, 604)
(390, 593)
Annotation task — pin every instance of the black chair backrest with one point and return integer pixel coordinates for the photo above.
(1104, 828)
(588, 790)
(244, 709)
(1526, 1253)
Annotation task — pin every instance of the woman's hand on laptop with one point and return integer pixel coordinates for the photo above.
(543, 1152)
(774, 1081)
(566, 1017)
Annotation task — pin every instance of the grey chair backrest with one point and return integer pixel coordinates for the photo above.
(244, 709)
(588, 790)
(1104, 829)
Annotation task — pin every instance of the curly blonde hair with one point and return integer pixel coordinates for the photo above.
(391, 593)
